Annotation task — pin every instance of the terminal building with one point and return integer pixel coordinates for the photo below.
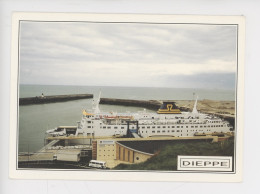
(134, 150)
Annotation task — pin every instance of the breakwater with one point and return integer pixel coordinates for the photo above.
(150, 104)
(51, 99)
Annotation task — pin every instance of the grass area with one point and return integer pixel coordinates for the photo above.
(166, 159)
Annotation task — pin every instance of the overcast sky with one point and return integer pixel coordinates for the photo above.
(107, 54)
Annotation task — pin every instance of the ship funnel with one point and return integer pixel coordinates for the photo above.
(169, 108)
(195, 111)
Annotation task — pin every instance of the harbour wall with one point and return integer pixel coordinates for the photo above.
(150, 104)
(52, 99)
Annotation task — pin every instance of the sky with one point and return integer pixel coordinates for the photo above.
(128, 54)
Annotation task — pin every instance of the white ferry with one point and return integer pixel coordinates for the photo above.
(167, 121)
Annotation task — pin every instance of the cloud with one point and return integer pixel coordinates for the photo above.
(80, 53)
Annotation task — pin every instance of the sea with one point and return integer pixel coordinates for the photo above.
(34, 120)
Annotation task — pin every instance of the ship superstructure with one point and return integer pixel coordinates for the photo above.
(167, 121)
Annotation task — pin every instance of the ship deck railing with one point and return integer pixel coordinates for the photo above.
(166, 123)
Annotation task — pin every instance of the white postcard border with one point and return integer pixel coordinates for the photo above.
(126, 175)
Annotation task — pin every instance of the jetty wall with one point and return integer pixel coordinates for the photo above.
(52, 99)
(150, 104)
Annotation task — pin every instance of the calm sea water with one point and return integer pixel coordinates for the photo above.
(138, 93)
(34, 120)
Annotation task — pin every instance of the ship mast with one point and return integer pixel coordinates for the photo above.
(96, 109)
(195, 111)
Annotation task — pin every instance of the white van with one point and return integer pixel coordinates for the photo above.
(97, 164)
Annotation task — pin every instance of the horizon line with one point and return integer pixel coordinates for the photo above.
(213, 88)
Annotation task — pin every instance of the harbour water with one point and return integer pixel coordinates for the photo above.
(34, 120)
